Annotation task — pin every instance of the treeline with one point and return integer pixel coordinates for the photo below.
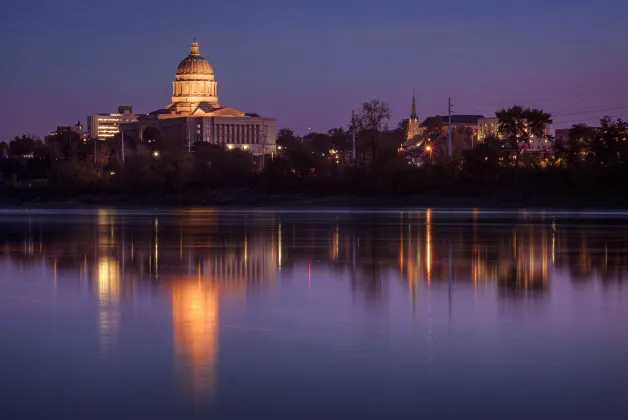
(592, 162)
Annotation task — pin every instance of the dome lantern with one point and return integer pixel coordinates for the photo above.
(194, 48)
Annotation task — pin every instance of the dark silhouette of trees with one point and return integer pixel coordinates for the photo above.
(589, 162)
(371, 121)
(340, 139)
(610, 145)
(287, 139)
(517, 125)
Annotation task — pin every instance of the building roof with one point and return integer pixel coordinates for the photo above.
(458, 119)
(194, 63)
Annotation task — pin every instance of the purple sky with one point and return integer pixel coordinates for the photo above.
(309, 64)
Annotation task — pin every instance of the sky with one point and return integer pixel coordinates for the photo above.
(308, 64)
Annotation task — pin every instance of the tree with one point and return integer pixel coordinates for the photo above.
(372, 120)
(517, 125)
(482, 162)
(287, 139)
(320, 143)
(581, 137)
(23, 146)
(465, 134)
(572, 151)
(340, 138)
(610, 146)
(435, 127)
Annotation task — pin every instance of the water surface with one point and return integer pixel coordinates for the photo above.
(310, 315)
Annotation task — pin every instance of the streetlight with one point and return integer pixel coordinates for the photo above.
(156, 153)
(428, 149)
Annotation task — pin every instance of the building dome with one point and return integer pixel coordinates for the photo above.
(194, 63)
(194, 83)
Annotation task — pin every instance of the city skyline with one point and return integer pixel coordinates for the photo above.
(309, 65)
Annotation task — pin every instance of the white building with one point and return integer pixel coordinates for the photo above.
(487, 127)
(195, 115)
(104, 126)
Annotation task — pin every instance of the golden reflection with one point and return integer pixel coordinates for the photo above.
(401, 244)
(335, 245)
(195, 314)
(108, 277)
(279, 246)
(428, 244)
(529, 264)
(156, 247)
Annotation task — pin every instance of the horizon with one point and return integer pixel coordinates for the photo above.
(310, 65)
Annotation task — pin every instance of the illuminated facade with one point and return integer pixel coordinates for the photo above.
(487, 127)
(194, 113)
(105, 126)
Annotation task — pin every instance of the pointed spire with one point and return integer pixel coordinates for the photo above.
(413, 115)
(194, 47)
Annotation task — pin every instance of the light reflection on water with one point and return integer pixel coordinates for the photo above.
(309, 314)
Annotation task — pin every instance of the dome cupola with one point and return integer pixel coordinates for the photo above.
(194, 82)
(194, 63)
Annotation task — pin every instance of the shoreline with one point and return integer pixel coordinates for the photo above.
(247, 199)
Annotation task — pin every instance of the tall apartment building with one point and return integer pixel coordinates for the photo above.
(104, 126)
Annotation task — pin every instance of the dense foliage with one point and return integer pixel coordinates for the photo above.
(592, 162)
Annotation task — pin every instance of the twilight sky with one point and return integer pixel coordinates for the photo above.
(309, 63)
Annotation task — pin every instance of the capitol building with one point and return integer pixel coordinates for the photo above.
(194, 113)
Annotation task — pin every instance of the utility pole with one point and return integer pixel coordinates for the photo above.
(449, 129)
(263, 132)
(353, 136)
(189, 141)
(122, 140)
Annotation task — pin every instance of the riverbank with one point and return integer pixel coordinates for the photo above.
(251, 198)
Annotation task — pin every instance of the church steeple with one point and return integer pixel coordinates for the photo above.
(413, 123)
(413, 115)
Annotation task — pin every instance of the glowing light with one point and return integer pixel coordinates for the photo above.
(428, 244)
(195, 315)
(279, 246)
(156, 153)
(108, 278)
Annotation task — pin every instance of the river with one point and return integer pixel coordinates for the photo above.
(240, 314)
